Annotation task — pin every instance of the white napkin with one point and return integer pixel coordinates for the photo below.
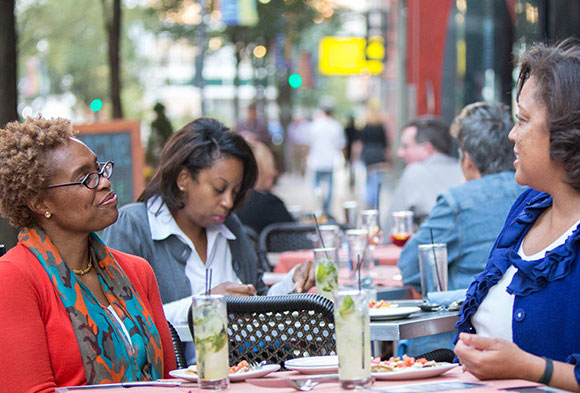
(445, 298)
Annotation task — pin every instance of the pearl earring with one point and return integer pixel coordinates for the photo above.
(181, 189)
(47, 214)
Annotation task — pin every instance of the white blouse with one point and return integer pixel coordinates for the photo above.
(493, 317)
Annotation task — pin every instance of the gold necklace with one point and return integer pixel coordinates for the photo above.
(82, 272)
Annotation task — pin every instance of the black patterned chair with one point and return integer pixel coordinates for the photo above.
(177, 347)
(286, 236)
(277, 328)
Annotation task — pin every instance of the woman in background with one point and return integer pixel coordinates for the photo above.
(260, 199)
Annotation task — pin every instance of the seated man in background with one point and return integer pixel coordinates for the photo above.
(469, 217)
(262, 208)
(426, 148)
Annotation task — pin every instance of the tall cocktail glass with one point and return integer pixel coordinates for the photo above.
(326, 260)
(353, 344)
(357, 241)
(210, 324)
(370, 223)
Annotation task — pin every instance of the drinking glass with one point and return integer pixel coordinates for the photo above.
(357, 241)
(326, 260)
(433, 266)
(402, 228)
(210, 323)
(353, 344)
(370, 222)
(331, 235)
(350, 213)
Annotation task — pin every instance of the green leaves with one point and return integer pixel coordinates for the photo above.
(347, 307)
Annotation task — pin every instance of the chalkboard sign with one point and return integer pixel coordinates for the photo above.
(120, 142)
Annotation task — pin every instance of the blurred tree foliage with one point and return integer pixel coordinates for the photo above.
(63, 48)
(283, 27)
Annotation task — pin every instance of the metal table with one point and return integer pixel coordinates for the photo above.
(419, 324)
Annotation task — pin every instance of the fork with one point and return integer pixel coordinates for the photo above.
(257, 365)
(301, 385)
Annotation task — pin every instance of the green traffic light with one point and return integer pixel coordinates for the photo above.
(96, 105)
(295, 81)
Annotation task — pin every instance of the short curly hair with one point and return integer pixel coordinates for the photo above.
(24, 170)
(556, 71)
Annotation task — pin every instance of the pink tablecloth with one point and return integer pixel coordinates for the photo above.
(386, 255)
(242, 387)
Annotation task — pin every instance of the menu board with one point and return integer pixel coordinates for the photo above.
(120, 142)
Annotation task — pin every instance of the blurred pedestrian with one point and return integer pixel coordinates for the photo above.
(375, 144)
(325, 141)
(351, 135)
(161, 130)
(298, 143)
(253, 127)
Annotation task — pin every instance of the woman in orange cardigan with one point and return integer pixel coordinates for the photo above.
(72, 311)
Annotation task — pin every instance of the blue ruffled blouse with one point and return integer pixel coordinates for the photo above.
(546, 312)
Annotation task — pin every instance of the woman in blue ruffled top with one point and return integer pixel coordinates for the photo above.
(521, 315)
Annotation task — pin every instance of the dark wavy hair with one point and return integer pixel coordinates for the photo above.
(198, 145)
(556, 70)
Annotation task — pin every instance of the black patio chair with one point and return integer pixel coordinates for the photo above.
(177, 347)
(286, 236)
(277, 328)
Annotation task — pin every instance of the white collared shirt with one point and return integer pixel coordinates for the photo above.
(219, 259)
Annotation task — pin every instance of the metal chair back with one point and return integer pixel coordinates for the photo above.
(286, 236)
(277, 328)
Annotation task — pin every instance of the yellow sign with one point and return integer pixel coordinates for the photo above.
(350, 56)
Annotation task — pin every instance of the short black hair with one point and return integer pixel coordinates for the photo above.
(434, 130)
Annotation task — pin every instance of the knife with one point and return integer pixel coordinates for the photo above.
(125, 385)
(282, 382)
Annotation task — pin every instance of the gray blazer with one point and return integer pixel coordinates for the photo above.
(131, 234)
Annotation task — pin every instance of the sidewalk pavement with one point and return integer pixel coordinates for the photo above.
(298, 194)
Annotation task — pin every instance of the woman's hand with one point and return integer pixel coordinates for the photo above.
(304, 277)
(229, 288)
(494, 358)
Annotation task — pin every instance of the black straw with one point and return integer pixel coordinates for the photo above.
(435, 259)
(320, 235)
(358, 268)
(208, 276)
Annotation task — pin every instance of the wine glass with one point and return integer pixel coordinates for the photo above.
(402, 228)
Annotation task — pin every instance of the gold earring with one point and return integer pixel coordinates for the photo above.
(47, 214)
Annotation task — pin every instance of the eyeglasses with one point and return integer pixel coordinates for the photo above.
(92, 180)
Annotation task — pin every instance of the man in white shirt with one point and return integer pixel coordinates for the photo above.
(426, 147)
(325, 141)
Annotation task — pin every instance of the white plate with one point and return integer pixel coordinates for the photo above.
(416, 373)
(387, 313)
(313, 364)
(261, 372)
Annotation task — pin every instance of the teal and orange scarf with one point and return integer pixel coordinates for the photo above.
(107, 355)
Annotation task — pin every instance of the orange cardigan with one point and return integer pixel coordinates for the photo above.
(38, 347)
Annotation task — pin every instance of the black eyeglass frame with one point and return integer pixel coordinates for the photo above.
(100, 173)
